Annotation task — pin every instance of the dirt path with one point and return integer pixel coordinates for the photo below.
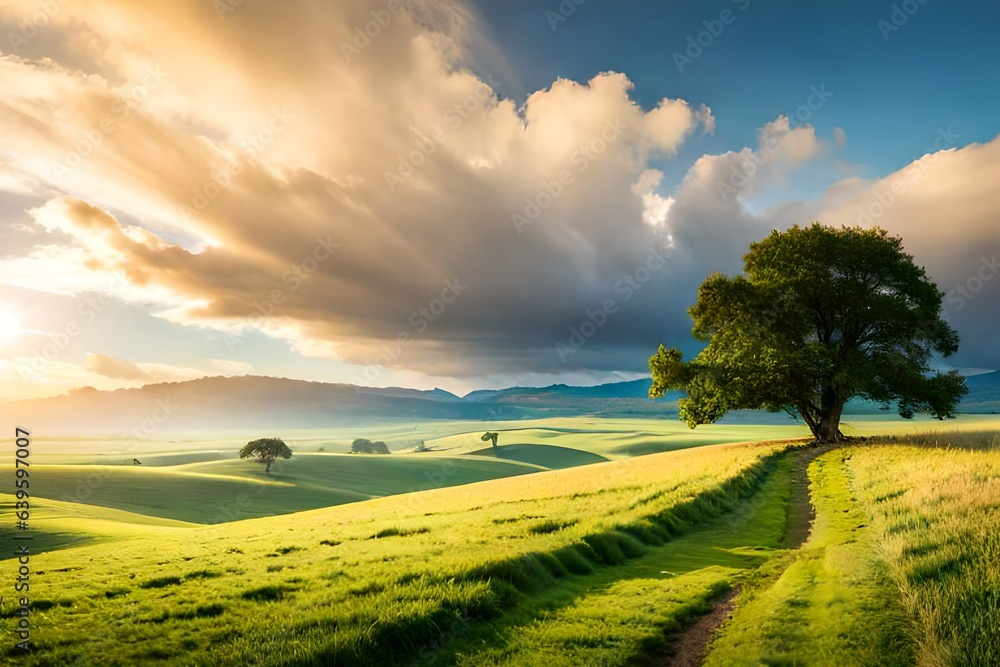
(691, 645)
(801, 511)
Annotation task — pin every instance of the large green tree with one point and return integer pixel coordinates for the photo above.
(821, 315)
(266, 451)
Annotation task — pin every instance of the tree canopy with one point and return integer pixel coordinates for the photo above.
(366, 446)
(266, 451)
(820, 316)
(490, 435)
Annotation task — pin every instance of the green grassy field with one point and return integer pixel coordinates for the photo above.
(233, 489)
(367, 587)
(543, 551)
(610, 438)
(902, 567)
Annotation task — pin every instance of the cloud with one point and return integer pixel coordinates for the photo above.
(707, 216)
(147, 373)
(943, 206)
(782, 143)
(115, 368)
(655, 206)
(23, 377)
(230, 367)
(840, 136)
(333, 212)
(379, 202)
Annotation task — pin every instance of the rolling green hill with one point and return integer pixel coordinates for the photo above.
(601, 563)
(547, 456)
(374, 582)
(219, 491)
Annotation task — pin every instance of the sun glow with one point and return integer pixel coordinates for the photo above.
(10, 325)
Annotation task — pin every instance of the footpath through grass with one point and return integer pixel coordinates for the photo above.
(902, 566)
(832, 605)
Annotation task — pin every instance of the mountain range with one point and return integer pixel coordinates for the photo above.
(254, 402)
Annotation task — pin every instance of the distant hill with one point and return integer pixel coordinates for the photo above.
(984, 394)
(615, 399)
(621, 398)
(251, 402)
(632, 389)
(237, 403)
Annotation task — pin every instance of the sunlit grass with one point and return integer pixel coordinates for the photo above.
(591, 563)
(902, 567)
(833, 604)
(368, 582)
(622, 614)
(936, 514)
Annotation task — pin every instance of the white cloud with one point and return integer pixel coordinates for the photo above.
(215, 192)
(231, 367)
(840, 136)
(655, 207)
(223, 178)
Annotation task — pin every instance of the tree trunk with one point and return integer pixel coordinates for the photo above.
(494, 442)
(267, 468)
(828, 428)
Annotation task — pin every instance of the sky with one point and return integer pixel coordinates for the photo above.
(457, 194)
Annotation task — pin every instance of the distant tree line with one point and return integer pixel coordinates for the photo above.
(366, 446)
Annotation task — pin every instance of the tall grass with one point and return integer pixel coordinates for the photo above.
(970, 439)
(935, 508)
(832, 604)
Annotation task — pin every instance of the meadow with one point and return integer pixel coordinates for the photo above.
(902, 567)
(558, 548)
(367, 582)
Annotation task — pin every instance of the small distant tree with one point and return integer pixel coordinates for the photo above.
(266, 451)
(366, 446)
(491, 435)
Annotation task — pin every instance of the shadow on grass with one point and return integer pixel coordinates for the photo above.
(623, 592)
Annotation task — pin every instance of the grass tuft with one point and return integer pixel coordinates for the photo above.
(161, 582)
(265, 593)
(550, 526)
(399, 532)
